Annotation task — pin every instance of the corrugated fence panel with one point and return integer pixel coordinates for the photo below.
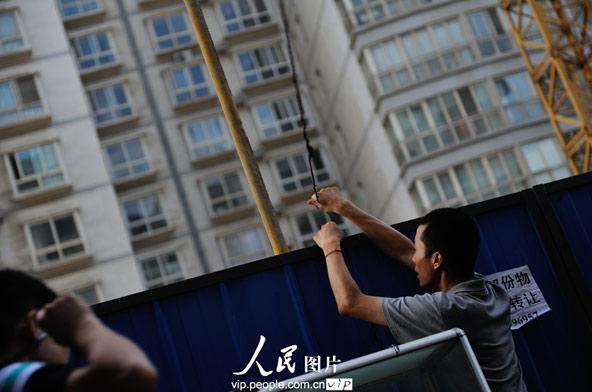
(573, 208)
(198, 332)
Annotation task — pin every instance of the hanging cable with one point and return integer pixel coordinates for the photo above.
(309, 148)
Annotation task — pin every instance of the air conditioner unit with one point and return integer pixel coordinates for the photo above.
(182, 56)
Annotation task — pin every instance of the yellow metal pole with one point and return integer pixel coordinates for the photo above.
(243, 147)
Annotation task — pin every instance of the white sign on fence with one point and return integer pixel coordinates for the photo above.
(526, 300)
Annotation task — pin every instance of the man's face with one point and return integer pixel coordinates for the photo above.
(426, 274)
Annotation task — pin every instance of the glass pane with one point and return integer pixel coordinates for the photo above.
(480, 174)
(51, 161)
(304, 226)
(284, 169)
(6, 96)
(233, 183)
(467, 100)
(451, 106)
(497, 166)
(171, 264)
(512, 163)
(405, 123)
(233, 245)
(482, 96)
(151, 206)
(178, 22)
(8, 26)
(420, 119)
(478, 25)
(160, 27)
(66, 229)
(521, 86)
(151, 270)
(465, 179)
(116, 155)
(534, 159)
(251, 241)
(432, 191)
(132, 211)
(28, 90)
(456, 31)
(549, 151)
(42, 235)
(505, 91)
(436, 111)
(30, 161)
(134, 149)
(447, 186)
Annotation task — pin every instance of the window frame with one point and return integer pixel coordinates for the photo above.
(154, 39)
(494, 189)
(74, 42)
(238, 260)
(39, 177)
(170, 82)
(226, 137)
(551, 170)
(22, 36)
(453, 126)
(520, 103)
(20, 107)
(78, 3)
(292, 120)
(305, 240)
(56, 247)
(388, 13)
(145, 220)
(424, 60)
(145, 151)
(91, 90)
(258, 71)
(239, 19)
(298, 177)
(227, 197)
(164, 278)
(493, 36)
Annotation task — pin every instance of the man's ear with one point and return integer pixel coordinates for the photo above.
(32, 328)
(436, 260)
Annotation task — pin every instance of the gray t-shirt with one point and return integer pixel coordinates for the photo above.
(478, 307)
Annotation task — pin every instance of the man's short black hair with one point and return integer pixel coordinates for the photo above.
(19, 294)
(455, 235)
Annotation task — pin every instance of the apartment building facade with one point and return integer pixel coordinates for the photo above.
(430, 96)
(118, 170)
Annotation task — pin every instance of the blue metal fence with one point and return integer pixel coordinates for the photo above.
(198, 332)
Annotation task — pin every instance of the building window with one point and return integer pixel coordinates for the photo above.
(226, 193)
(11, 38)
(279, 117)
(89, 295)
(160, 270)
(418, 55)
(244, 246)
(244, 14)
(479, 179)
(171, 31)
(207, 137)
(264, 63)
(545, 161)
(490, 33)
(310, 223)
(94, 51)
(35, 168)
(442, 121)
(110, 104)
(75, 8)
(518, 98)
(190, 83)
(294, 172)
(127, 159)
(19, 100)
(144, 216)
(56, 239)
(363, 12)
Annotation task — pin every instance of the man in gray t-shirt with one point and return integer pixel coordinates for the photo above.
(443, 255)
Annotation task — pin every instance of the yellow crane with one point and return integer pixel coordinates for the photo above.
(562, 72)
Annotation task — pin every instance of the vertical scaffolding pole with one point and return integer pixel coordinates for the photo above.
(241, 142)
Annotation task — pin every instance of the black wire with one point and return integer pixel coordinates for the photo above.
(309, 148)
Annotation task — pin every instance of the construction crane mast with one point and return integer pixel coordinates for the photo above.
(562, 71)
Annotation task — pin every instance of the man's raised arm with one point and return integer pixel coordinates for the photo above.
(389, 240)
